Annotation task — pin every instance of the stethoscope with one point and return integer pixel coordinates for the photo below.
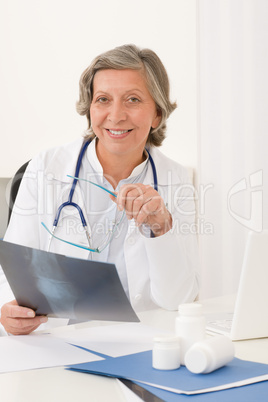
(70, 202)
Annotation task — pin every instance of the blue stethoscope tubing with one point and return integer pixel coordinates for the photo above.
(71, 194)
(77, 170)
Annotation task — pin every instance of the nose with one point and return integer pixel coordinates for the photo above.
(117, 112)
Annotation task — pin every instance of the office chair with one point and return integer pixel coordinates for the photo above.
(15, 187)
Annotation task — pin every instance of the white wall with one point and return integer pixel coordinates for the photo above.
(233, 138)
(46, 44)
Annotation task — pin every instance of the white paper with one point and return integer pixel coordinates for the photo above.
(26, 352)
(235, 384)
(114, 340)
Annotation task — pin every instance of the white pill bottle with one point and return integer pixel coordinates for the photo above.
(166, 353)
(190, 326)
(209, 355)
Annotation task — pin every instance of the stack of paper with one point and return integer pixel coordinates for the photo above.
(27, 352)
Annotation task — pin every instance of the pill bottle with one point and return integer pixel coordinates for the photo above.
(209, 355)
(190, 326)
(166, 353)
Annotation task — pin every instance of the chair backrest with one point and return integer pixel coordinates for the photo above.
(5, 183)
(15, 187)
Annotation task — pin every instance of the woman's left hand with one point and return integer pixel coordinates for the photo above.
(144, 204)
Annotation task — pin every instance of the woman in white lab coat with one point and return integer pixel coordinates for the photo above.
(125, 95)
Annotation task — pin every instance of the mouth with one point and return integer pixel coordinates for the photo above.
(118, 133)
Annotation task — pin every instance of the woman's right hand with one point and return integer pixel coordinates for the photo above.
(19, 320)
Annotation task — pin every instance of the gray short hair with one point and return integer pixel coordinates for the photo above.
(130, 57)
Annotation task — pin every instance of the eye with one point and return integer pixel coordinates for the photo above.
(102, 99)
(133, 100)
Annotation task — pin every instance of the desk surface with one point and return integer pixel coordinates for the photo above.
(58, 384)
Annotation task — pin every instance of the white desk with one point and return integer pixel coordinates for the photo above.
(58, 384)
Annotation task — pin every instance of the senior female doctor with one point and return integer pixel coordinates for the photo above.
(113, 196)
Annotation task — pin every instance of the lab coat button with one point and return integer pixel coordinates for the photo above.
(138, 297)
(131, 240)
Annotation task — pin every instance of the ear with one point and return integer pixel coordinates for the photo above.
(157, 119)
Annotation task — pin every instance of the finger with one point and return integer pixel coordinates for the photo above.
(147, 204)
(127, 192)
(23, 326)
(140, 204)
(19, 320)
(24, 323)
(135, 198)
(13, 310)
(149, 209)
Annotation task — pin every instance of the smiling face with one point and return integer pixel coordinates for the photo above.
(122, 112)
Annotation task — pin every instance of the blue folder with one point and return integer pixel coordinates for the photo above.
(138, 368)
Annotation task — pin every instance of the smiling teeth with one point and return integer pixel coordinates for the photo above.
(118, 132)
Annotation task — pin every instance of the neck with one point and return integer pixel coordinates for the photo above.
(118, 167)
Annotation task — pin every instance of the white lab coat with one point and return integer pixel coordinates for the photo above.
(161, 271)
